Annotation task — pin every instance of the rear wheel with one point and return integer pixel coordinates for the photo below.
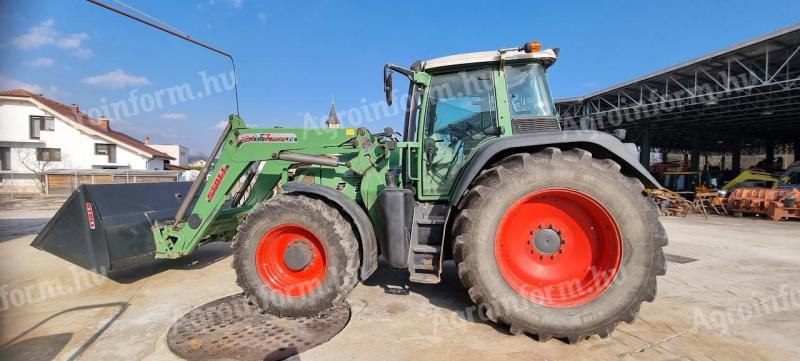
(558, 244)
(296, 256)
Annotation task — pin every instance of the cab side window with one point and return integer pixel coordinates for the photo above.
(461, 106)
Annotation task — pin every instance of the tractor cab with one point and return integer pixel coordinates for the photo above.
(456, 103)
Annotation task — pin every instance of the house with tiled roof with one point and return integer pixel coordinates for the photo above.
(40, 134)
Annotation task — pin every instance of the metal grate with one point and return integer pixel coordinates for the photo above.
(232, 329)
(534, 125)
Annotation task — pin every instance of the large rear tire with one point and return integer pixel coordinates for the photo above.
(558, 244)
(296, 256)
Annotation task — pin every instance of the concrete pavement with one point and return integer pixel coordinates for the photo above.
(731, 292)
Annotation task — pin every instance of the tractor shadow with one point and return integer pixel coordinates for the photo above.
(50, 346)
(448, 294)
(201, 258)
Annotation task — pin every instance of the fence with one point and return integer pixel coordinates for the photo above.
(18, 183)
(57, 182)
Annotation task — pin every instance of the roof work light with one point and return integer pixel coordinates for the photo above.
(531, 47)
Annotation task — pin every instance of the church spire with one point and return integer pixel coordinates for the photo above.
(333, 119)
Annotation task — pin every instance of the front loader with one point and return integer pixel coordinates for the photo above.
(549, 228)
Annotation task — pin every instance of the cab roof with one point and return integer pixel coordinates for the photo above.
(548, 56)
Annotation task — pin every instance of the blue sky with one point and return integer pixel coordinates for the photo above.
(293, 57)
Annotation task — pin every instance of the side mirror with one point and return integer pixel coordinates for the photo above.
(387, 83)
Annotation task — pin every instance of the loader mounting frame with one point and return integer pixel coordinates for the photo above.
(269, 152)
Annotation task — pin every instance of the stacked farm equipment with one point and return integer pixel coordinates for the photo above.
(670, 203)
(776, 204)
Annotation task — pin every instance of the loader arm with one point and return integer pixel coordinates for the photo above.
(209, 214)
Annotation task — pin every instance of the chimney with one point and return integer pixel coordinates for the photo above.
(104, 123)
(146, 140)
(75, 108)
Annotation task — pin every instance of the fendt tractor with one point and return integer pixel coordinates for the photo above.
(549, 228)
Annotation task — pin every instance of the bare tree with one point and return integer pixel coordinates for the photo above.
(39, 168)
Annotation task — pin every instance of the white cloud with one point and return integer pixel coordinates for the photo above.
(221, 125)
(83, 53)
(45, 34)
(262, 17)
(41, 62)
(116, 79)
(8, 83)
(174, 116)
(42, 34)
(234, 3)
(72, 41)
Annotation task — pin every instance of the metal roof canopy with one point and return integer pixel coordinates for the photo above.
(750, 91)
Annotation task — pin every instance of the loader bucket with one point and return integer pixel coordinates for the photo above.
(108, 226)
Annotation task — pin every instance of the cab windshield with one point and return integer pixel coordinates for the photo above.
(528, 93)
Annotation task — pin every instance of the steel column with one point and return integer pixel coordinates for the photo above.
(695, 165)
(796, 151)
(769, 145)
(736, 159)
(644, 145)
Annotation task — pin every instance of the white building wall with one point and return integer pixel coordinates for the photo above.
(155, 164)
(12, 112)
(77, 147)
(179, 152)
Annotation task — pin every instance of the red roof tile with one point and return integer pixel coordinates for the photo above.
(83, 119)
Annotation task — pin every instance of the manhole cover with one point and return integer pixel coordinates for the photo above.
(230, 328)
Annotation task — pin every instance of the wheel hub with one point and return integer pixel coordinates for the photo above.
(546, 241)
(291, 260)
(298, 255)
(571, 255)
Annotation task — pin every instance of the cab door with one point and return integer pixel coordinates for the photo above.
(459, 109)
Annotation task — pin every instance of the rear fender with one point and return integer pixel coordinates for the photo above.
(601, 145)
(363, 225)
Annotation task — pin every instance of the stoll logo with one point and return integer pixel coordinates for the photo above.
(217, 182)
(90, 215)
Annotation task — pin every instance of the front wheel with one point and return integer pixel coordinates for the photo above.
(296, 256)
(558, 244)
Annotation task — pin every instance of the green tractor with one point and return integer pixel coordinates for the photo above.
(549, 229)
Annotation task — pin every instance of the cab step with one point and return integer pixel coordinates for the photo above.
(425, 255)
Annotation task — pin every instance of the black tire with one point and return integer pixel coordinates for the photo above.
(497, 188)
(330, 226)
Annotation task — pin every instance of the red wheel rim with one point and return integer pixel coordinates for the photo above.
(577, 271)
(271, 260)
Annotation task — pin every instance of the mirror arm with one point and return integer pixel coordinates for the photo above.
(405, 71)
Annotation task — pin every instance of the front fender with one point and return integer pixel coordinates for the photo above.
(601, 145)
(363, 225)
